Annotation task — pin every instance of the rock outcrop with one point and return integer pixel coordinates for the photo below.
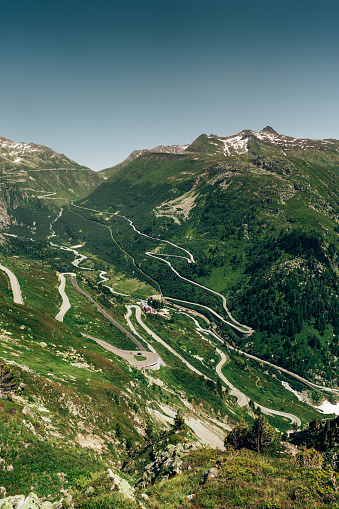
(167, 463)
(30, 502)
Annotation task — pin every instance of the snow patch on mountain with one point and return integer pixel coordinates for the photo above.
(239, 143)
(288, 142)
(17, 149)
(235, 145)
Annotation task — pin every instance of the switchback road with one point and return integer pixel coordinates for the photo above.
(17, 297)
(140, 358)
(65, 306)
(159, 340)
(243, 400)
(106, 315)
(151, 361)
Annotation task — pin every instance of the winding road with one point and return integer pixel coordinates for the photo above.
(162, 342)
(152, 358)
(240, 328)
(65, 305)
(243, 329)
(17, 297)
(243, 400)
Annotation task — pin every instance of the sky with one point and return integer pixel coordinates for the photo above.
(97, 80)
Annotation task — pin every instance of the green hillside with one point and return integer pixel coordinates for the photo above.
(262, 224)
(221, 259)
(35, 182)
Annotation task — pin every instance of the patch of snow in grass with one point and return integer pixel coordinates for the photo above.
(328, 408)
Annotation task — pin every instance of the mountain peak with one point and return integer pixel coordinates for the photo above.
(268, 129)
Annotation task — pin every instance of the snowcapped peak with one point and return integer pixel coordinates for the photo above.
(237, 144)
(247, 141)
(15, 149)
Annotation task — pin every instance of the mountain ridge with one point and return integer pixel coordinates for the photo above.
(35, 178)
(26, 154)
(246, 142)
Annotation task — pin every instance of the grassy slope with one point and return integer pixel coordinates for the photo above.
(244, 202)
(75, 392)
(245, 479)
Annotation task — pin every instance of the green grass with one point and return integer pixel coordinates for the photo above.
(85, 318)
(5, 288)
(262, 386)
(36, 466)
(134, 287)
(244, 479)
(39, 285)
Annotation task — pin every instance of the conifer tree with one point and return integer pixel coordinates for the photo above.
(179, 421)
(8, 380)
(237, 436)
(261, 434)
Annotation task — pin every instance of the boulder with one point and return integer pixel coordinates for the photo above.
(22, 502)
(212, 473)
(121, 485)
(167, 463)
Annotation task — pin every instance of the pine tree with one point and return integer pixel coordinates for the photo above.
(237, 436)
(8, 380)
(261, 434)
(179, 421)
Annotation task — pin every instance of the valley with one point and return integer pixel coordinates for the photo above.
(201, 280)
(242, 399)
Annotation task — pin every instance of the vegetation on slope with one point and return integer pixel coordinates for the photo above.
(263, 230)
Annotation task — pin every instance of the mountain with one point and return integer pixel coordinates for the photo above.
(260, 212)
(160, 149)
(245, 142)
(267, 141)
(35, 180)
(32, 156)
(167, 304)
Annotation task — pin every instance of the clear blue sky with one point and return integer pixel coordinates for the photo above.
(96, 80)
